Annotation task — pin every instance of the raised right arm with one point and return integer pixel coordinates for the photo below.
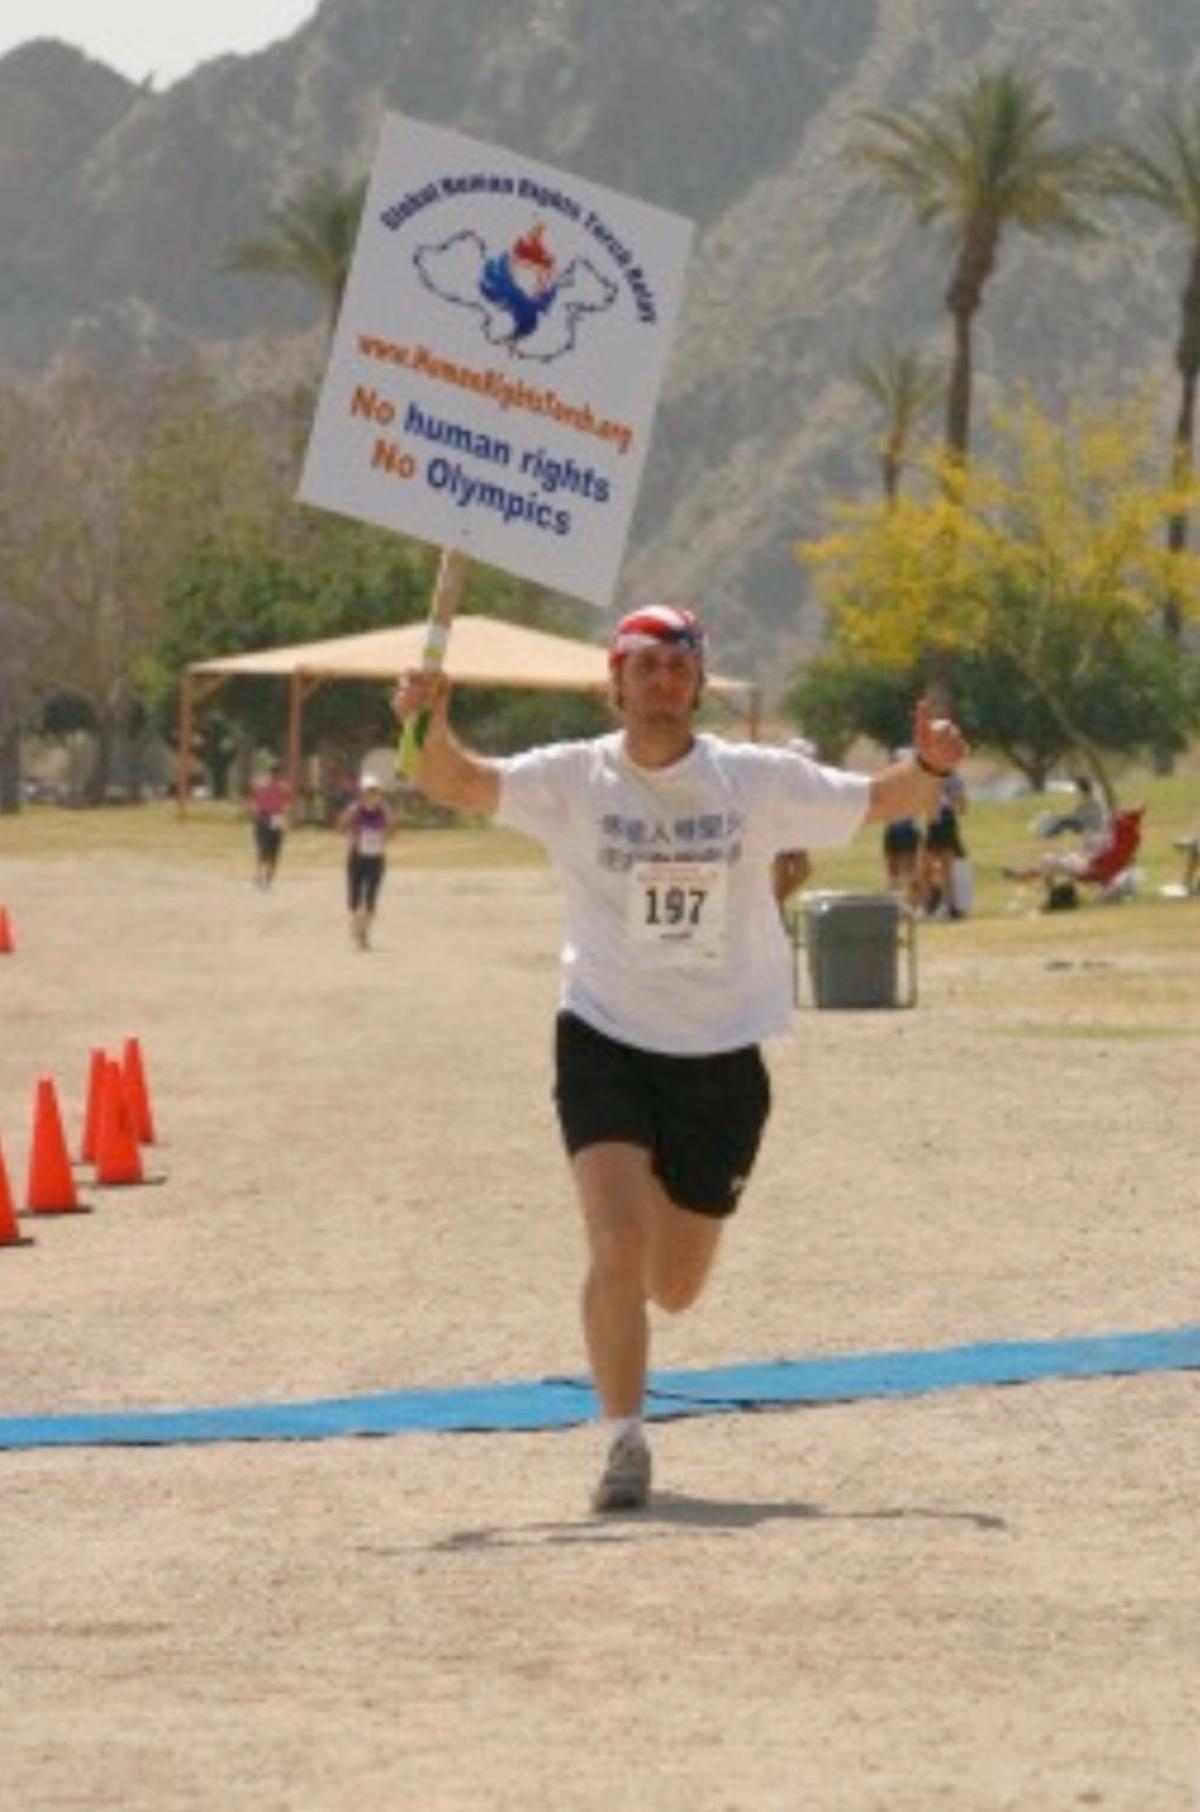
(446, 772)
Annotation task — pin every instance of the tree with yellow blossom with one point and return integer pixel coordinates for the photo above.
(1044, 562)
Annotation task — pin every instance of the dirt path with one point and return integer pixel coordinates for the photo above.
(983, 1599)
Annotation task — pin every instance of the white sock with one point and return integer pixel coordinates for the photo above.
(620, 1427)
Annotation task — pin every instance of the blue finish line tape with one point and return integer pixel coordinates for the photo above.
(564, 1402)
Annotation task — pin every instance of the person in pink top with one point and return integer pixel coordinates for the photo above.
(270, 798)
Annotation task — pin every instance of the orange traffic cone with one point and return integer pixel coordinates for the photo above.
(118, 1159)
(51, 1185)
(91, 1117)
(10, 1234)
(7, 945)
(134, 1074)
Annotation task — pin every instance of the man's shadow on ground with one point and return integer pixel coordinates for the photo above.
(671, 1513)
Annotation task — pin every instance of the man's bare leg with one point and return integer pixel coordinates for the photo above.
(612, 1180)
(681, 1248)
(642, 1247)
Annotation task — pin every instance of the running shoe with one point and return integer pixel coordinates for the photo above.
(625, 1481)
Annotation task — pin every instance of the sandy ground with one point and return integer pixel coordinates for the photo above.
(981, 1599)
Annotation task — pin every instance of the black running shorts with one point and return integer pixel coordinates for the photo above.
(268, 840)
(364, 875)
(902, 838)
(943, 833)
(701, 1118)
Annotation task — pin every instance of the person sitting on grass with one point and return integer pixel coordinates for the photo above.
(1102, 867)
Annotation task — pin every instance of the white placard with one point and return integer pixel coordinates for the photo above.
(494, 372)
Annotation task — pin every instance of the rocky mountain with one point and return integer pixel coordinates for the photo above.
(117, 202)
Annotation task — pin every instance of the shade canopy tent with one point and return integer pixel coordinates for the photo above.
(483, 651)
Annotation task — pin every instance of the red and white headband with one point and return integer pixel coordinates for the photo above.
(656, 623)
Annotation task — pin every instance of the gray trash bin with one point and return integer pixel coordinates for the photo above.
(854, 943)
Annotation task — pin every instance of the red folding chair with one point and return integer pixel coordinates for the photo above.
(1115, 854)
(1101, 868)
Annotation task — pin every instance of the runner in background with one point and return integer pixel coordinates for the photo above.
(270, 800)
(367, 824)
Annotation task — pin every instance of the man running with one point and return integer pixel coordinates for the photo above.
(675, 966)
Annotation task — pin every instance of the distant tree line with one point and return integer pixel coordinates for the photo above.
(1003, 583)
(146, 524)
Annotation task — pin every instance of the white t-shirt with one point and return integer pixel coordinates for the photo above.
(673, 938)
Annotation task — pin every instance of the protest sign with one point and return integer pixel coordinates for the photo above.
(497, 359)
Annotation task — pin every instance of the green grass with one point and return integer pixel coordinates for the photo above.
(1129, 971)
(218, 835)
(997, 834)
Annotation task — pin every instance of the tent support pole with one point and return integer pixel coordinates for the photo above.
(183, 750)
(295, 732)
(193, 689)
(301, 687)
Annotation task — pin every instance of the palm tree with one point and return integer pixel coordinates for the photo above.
(312, 239)
(906, 386)
(1167, 176)
(979, 159)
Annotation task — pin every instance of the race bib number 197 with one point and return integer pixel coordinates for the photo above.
(678, 909)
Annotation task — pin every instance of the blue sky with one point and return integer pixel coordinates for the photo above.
(162, 38)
